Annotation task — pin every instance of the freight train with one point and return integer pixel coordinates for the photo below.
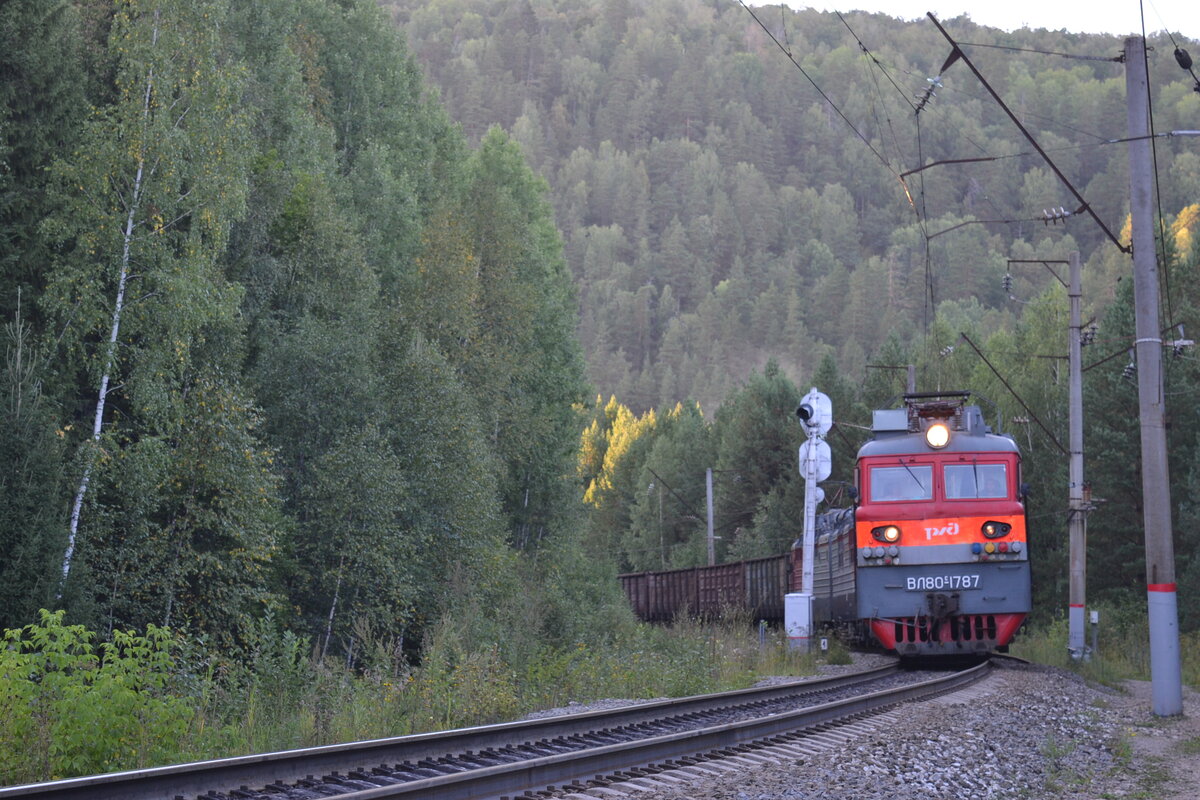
(933, 559)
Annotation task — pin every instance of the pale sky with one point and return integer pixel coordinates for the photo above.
(1119, 17)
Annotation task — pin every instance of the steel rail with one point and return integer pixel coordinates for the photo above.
(223, 775)
(570, 768)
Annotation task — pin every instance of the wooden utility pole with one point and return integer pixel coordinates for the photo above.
(1165, 673)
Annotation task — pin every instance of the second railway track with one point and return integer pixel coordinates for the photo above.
(508, 760)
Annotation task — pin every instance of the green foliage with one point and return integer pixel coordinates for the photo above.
(41, 111)
(614, 483)
(526, 370)
(668, 517)
(31, 527)
(758, 438)
(346, 373)
(1122, 651)
(145, 331)
(72, 707)
(646, 476)
(292, 344)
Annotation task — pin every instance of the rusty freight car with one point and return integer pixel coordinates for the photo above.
(755, 587)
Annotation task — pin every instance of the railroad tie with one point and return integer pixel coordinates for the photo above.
(605, 791)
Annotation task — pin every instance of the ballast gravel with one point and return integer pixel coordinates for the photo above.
(1031, 732)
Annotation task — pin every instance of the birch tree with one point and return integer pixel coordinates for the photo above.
(147, 197)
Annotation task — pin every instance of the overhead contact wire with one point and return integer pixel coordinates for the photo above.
(1117, 59)
(877, 62)
(827, 99)
(923, 220)
(1162, 227)
(875, 82)
(1029, 136)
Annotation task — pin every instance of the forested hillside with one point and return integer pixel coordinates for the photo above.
(740, 229)
(280, 340)
(719, 212)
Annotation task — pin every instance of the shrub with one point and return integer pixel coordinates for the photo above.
(1123, 649)
(73, 708)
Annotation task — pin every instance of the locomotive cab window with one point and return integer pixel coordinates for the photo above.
(976, 481)
(892, 484)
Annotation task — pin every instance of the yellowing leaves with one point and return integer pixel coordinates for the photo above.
(1184, 227)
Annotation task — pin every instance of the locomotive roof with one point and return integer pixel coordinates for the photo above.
(900, 444)
(902, 431)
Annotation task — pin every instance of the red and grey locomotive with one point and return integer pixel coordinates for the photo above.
(942, 556)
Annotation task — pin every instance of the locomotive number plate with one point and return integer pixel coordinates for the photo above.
(934, 583)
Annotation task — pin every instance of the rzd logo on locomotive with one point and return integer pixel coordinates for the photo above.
(949, 530)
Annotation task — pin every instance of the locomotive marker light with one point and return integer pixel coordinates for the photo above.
(816, 464)
(887, 533)
(994, 530)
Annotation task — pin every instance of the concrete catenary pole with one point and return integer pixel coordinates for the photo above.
(712, 547)
(1165, 674)
(1077, 513)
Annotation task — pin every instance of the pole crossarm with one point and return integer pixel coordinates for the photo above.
(1045, 262)
(957, 52)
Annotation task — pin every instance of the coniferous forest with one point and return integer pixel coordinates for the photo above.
(384, 334)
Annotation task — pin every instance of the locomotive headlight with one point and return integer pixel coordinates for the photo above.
(994, 530)
(886, 533)
(937, 435)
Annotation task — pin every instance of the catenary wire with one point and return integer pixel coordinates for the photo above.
(1165, 268)
(879, 94)
(825, 96)
(1117, 59)
(876, 61)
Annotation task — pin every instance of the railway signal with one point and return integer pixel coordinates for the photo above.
(816, 464)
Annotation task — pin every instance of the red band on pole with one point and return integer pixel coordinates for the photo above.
(1160, 587)
(1076, 605)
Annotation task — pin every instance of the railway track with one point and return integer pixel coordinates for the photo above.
(508, 760)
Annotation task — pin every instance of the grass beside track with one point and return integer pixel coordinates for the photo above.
(287, 697)
(1122, 648)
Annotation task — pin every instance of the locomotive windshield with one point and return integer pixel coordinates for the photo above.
(901, 483)
(975, 481)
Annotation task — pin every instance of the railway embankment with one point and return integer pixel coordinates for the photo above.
(1027, 731)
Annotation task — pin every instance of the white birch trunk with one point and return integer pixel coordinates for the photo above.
(114, 332)
(337, 590)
